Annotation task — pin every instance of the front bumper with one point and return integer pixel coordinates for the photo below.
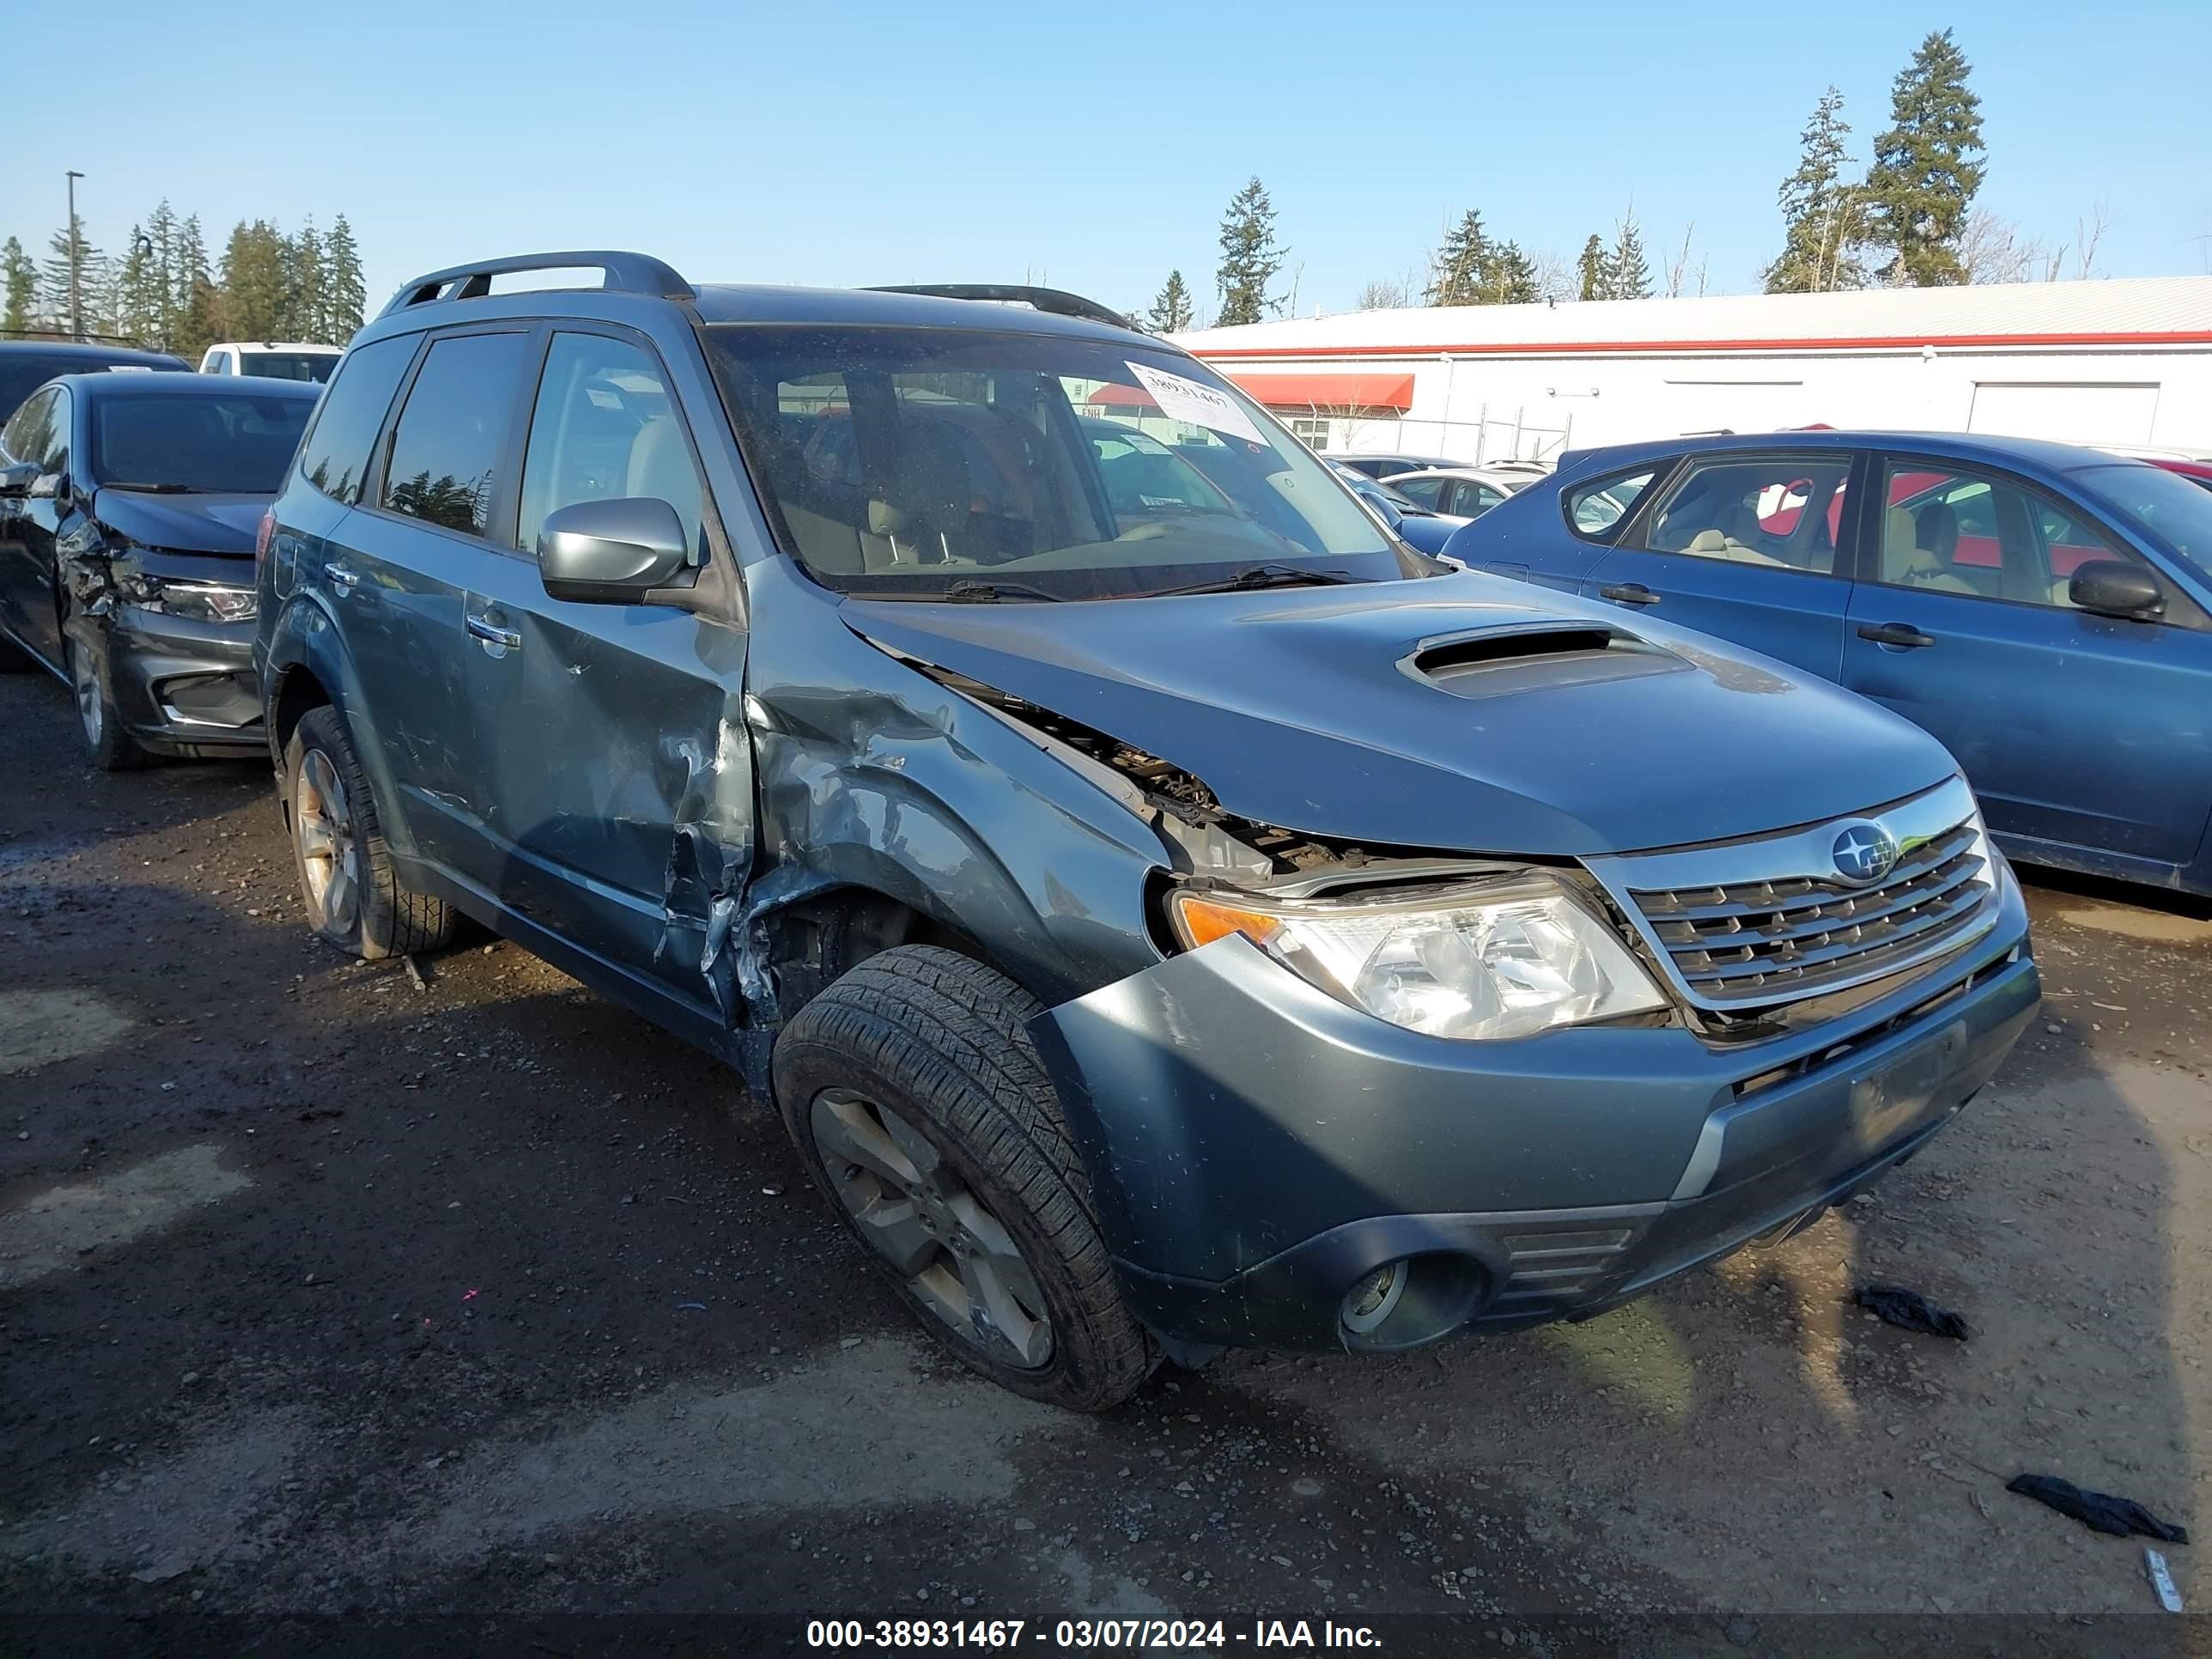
(1256, 1147)
(183, 687)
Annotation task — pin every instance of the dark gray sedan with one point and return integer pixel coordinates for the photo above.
(129, 509)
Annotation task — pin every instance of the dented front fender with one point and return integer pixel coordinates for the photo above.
(871, 774)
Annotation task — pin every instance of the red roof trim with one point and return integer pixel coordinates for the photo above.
(1583, 348)
(1368, 390)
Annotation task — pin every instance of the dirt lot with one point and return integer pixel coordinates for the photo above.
(327, 1300)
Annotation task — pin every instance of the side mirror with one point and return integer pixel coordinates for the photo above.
(2113, 588)
(17, 477)
(622, 551)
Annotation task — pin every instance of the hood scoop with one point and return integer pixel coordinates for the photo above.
(1499, 661)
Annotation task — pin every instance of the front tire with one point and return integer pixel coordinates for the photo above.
(354, 896)
(107, 744)
(918, 1104)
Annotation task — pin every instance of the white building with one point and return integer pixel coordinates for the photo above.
(2123, 362)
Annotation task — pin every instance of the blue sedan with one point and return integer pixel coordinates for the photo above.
(2046, 610)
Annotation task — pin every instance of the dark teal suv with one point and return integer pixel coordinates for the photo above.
(1167, 911)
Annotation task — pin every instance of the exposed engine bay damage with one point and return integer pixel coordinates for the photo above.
(1179, 806)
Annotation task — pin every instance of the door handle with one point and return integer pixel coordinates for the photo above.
(492, 635)
(340, 577)
(1628, 593)
(1903, 636)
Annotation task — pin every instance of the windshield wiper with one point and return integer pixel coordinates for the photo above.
(1259, 575)
(974, 593)
(159, 489)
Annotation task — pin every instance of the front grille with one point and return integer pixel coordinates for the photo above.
(1754, 941)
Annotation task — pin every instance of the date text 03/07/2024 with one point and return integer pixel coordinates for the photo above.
(1138, 1634)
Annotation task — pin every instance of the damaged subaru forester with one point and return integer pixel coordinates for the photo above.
(1168, 913)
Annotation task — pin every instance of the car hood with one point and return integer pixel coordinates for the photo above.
(183, 524)
(1307, 709)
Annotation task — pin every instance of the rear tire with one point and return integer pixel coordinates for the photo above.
(107, 744)
(354, 897)
(919, 1105)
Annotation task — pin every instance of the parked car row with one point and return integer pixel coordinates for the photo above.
(1168, 911)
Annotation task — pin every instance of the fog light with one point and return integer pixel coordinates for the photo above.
(1374, 1298)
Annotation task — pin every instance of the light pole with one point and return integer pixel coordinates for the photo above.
(76, 312)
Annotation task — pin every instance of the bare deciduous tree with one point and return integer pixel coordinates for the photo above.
(2089, 233)
(1993, 249)
(1683, 277)
(1391, 293)
(1556, 277)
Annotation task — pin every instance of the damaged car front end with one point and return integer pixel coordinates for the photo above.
(1377, 1089)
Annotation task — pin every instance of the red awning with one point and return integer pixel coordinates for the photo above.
(1329, 391)
(1115, 395)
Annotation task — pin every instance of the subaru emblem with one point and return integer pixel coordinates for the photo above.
(1864, 851)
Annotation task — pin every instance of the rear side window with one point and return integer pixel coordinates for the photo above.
(1765, 510)
(335, 457)
(1594, 510)
(453, 434)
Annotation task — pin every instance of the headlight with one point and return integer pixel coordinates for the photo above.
(1502, 957)
(208, 602)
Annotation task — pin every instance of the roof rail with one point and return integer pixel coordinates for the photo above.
(1058, 301)
(625, 273)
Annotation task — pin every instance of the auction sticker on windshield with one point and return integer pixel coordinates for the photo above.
(1200, 405)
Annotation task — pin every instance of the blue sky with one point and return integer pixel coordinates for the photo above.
(1093, 146)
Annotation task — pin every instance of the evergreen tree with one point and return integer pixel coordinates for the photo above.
(1927, 167)
(1250, 256)
(1590, 269)
(195, 311)
(1823, 217)
(160, 273)
(202, 321)
(1509, 277)
(255, 293)
(1171, 311)
(1459, 263)
(345, 298)
(1628, 277)
(307, 306)
(54, 284)
(21, 273)
(141, 300)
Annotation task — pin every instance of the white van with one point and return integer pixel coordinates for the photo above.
(272, 359)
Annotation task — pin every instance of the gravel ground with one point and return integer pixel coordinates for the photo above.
(326, 1301)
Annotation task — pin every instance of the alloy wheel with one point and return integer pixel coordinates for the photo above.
(330, 850)
(915, 1212)
(84, 682)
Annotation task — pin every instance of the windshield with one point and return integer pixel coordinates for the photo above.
(235, 443)
(314, 366)
(2174, 511)
(907, 462)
